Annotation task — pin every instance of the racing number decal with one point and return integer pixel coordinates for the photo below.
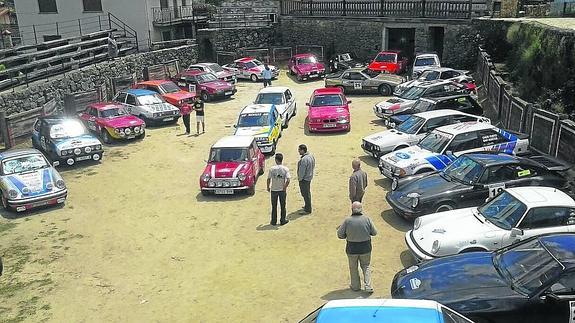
(495, 189)
(357, 86)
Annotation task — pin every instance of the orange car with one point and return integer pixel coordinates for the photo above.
(169, 90)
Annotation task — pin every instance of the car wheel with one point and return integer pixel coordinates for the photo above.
(205, 193)
(254, 78)
(341, 88)
(261, 171)
(294, 110)
(444, 206)
(291, 72)
(106, 138)
(251, 190)
(205, 96)
(286, 124)
(385, 90)
(5, 202)
(299, 78)
(274, 148)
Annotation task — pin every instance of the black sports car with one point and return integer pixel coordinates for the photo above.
(342, 62)
(470, 180)
(529, 282)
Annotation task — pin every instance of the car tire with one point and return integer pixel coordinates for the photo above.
(106, 138)
(261, 171)
(385, 90)
(205, 96)
(251, 190)
(294, 110)
(205, 193)
(286, 124)
(4, 202)
(299, 78)
(274, 148)
(254, 78)
(291, 72)
(444, 207)
(341, 88)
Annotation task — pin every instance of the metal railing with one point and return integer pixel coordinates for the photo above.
(454, 9)
(179, 14)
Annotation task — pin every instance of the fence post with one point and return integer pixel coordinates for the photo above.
(35, 36)
(381, 5)
(310, 8)
(109, 21)
(57, 29)
(100, 22)
(423, 8)
(80, 27)
(4, 130)
(344, 7)
(470, 9)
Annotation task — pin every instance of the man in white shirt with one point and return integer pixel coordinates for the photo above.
(277, 183)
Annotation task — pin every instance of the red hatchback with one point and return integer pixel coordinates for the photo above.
(392, 61)
(207, 85)
(328, 111)
(168, 90)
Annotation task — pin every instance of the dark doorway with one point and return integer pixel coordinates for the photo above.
(163, 4)
(436, 35)
(402, 39)
(207, 50)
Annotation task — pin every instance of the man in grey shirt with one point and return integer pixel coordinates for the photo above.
(277, 183)
(357, 230)
(357, 182)
(305, 169)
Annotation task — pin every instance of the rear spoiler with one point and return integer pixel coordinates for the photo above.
(550, 163)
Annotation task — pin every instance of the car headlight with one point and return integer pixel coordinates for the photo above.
(414, 199)
(394, 184)
(88, 150)
(117, 131)
(143, 126)
(60, 184)
(77, 151)
(98, 147)
(63, 152)
(212, 184)
(435, 247)
(181, 102)
(12, 194)
(242, 177)
(49, 186)
(416, 223)
(219, 91)
(25, 190)
(128, 131)
(137, 129)
(206, 177)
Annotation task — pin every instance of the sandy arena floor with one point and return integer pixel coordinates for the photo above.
(137, 242)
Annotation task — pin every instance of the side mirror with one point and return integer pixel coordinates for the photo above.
(307, 103)
(516, 232)
(348, 101)
(235, 126)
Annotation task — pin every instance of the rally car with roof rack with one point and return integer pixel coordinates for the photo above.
(234, 165)
(27, 181)
(215, 69)
(250, 68)
(532, 281)
(111, 122)
(516, 213)
(470, 180)
(263, 122)
(384, 311)
(363, 80)
(148, 106)
(283, 99)
(438, 73)
(438, 148)
(305, 67)
(65, 140)
(205, 84)
(413, 130)
(169, 90)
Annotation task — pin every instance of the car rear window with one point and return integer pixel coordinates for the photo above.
(386, 57)
(424, 61)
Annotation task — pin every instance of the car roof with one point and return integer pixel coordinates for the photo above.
(362, 310)
(440, 69)
(234, 142)
(494, 159)
(464, 127)
(390, 51)
(104, 105)
(18, 152)
(327, 90)
(303, 55)
(434, 82)
(537, 196)
(440, 113)
(274, 89)
(140, 92)
(245, 59)
(203, 64)
(562, 247)
(193, 72)
(154, 82)
(426, 55)
(56, 119)
(256, 108)
(448, 97)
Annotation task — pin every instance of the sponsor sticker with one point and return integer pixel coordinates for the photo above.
(402, 155)
(414, 283)
(523, 173)
(495, 189)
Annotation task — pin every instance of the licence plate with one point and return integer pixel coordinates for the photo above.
(131, 137)
(329, 125)
(83, 158)
(168, 119)
(228, 93)
(221, 191)
(314, 75)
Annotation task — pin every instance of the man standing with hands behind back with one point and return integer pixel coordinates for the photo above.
(279, 178)
(305, 169)
(357, 182)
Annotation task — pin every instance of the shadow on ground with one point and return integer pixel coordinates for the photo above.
(345, 293)
(395, 221)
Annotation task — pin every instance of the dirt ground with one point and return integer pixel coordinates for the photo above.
(137, 242)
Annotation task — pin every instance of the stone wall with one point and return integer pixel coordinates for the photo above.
(233, 40)
(88, 78)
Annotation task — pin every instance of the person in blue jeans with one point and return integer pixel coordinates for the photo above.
(267, 74)
(277, 184)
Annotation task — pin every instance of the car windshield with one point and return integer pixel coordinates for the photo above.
(270, 98)
(307, 60)
(528, 266)
(504, 210)
(345, 57)
(205, 78)
(413, 93)
(411, 125)
(150, 99)
(386, 57)
(435, 141)
(464, 170)
(422, 106)
(23, 164)
(253, 120)
(429, 75)
(67, 129)
(170, 87)
(215, 68)
(112, 113)
(252, 64)
(228, 154)
(327, 100)
(424, 61)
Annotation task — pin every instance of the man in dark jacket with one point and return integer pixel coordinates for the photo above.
(305, 169)
(358, 230)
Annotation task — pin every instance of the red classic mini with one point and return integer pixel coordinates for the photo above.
(328, 111)
(234, 165)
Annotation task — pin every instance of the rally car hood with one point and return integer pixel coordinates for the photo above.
(261, 68)
(35, 181)
(122, 121)
(390, 78)
(410, 156)
(470, 278)
(309, 67)
(224, 74)
(396, 104)
(177, 96)
(431, 185)
(76, 142)
(390, 138)
(327, 112)
(224, 169)
(217, 85)
(252, 131)
(351, 63)
(160, 107)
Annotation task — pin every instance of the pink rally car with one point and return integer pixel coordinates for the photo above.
(328, 111)
(234, 165)
(305, 66)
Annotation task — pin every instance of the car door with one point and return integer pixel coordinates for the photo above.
(276, 124)
(358, 81)
(547, 219)
(120, 98)
(36, 133)
(464, 143)
(91, 118)
(494, 180)
(491, 140)
(290, 104)
(242, 70)
(132, 105)
(559, 302)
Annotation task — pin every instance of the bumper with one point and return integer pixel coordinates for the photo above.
(70, 160)
(311, 76)
(418, 253)
(265, 147)
(385, 172)
(224, 94)
(30, 203)
(370, 151)
(333, 127)
(133, 135)
(401, 210)
(164, 119)
(224, 190)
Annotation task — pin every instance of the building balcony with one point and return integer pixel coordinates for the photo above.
(178, 15)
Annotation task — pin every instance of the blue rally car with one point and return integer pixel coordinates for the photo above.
(65, 140)
(384, 311)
